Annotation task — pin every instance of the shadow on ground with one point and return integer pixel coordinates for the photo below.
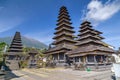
(8, 74)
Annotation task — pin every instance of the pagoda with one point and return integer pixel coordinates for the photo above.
(16, 45)
(90, 47)
(13, 56)
(64, 38)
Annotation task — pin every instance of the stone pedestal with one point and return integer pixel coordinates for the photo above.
(116, 67)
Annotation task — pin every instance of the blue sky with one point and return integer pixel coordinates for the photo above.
(37, 18)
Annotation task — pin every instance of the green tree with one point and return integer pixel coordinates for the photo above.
(2, 46)
(40, 57)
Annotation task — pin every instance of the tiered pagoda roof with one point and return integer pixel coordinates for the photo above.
(16, 44)
(33, 51)
(90, 40)
(89, 35)
(64, 31)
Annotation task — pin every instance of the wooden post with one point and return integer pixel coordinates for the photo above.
(15, 57)
(58, 56)
(64, 57)
(86, 59)
(102, 59)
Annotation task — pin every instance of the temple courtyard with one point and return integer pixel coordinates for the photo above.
(57, 74)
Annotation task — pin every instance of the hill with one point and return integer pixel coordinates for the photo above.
(27, 42)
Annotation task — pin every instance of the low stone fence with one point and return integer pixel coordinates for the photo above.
(81, 66)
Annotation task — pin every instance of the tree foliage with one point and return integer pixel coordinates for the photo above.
(38, 56)
(2, 46)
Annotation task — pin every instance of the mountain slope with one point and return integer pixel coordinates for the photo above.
(27, 42)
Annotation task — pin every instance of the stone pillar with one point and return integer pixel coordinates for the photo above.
(79, 59)
(85, 63)
(84, 60)
(95, 61)
(74, 59)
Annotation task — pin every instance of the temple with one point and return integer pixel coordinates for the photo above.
(32, 59)
(64, 38)
(90, 47)
(13, 56)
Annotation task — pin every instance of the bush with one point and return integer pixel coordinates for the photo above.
(0, 64)
(41, 64)
(23, 64)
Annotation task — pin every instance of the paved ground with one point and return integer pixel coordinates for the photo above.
(57, 74)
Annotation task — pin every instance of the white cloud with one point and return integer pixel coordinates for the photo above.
(9, 18)
(9, 23)
(114, 41)
(98, 11)
(115, 38)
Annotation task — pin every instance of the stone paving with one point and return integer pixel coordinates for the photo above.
(57, 74)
